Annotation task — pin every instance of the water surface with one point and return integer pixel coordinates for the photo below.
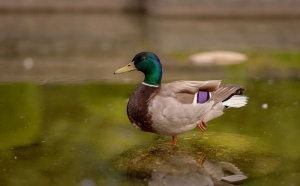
(64, 134)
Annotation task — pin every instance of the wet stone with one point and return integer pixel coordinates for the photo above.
(192, 162)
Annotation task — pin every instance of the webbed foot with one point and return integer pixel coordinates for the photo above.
(174, 140)
(202, 125)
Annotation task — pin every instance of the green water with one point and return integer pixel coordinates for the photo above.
(70, 133)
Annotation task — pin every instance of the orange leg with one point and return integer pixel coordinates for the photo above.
(174, 140)
(202, 125)
(201, 158)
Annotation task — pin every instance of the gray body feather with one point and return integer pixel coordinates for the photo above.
(173, 111)
(172, 108)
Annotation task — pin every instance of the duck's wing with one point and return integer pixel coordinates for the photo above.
(172, 108)
(184, 91)
(192, 86)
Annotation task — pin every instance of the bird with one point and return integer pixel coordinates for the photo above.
(174, 108)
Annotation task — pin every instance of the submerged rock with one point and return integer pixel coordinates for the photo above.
(167, 165)
(217, 58)
(211, 159)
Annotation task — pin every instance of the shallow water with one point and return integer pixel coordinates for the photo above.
(69, 134)
(63, 112)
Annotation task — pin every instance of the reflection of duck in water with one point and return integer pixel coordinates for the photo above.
(169, 166)
(174, 108)
(187, 172)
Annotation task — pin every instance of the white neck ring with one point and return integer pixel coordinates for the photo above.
(150, 85)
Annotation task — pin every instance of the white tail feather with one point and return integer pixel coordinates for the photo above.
(236, 101)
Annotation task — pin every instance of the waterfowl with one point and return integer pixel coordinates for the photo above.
(177, 107)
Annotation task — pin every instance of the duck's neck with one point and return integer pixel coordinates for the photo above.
(152, 70)
(153, 78)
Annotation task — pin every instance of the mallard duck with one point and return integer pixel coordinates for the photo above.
(177, 107)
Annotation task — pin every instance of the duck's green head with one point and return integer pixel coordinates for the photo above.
(148, 63)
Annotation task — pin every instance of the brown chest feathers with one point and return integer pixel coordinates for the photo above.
(137, 108)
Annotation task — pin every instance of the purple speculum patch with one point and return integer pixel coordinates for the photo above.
(203, 96)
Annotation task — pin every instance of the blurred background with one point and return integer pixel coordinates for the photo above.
(63, 111)
(76, 40)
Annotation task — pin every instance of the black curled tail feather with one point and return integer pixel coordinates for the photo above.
(225, 92)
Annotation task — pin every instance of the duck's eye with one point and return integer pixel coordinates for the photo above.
(143, 58)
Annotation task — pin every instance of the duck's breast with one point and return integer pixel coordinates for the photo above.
(138, 107)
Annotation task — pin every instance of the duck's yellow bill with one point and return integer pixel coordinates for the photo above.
(127, 68)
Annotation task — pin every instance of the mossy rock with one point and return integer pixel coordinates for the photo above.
(198, 157)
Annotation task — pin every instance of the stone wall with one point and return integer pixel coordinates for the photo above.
(199, 8)
(68, 5)
(227, 8)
